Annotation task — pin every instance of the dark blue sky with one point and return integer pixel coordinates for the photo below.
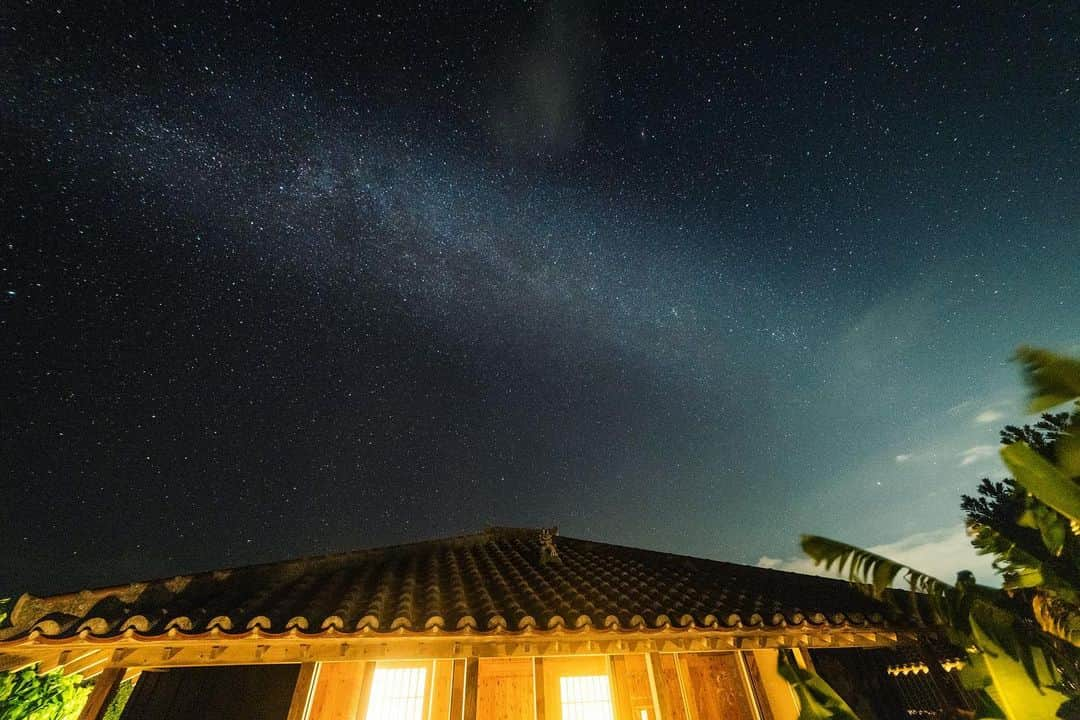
(295, 279)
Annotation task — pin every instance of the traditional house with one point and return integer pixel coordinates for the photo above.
(506, 624)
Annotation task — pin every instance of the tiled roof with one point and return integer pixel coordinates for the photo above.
(494, 581)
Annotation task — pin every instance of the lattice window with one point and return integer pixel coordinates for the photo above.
(586, 697)
(397, 694)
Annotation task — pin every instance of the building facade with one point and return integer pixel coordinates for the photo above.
(507, 624)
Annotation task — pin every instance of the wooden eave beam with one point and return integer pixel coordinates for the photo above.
(262, 648)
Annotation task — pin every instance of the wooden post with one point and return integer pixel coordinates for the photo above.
(685, 691)
(664, 695)
(539, 709)
(748, 683)
(616, 667)
(104, 689)
(442, 683)
(305, 686)
(803, 659)
(457, 690)
(365, 688)
(472, 685)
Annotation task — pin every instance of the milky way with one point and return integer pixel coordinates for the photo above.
(697, 280)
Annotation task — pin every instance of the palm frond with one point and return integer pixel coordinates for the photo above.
(1052, 378)
(863, 567)
(1057, 617)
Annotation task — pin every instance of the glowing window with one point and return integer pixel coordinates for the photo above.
(397, 694)
(586, 697)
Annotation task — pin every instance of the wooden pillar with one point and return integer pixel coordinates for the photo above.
(104, 689)
(472, 685)
(748, 683)
(539, 707)
(685, 691)
(457, 690)
(666, 691)
(620, 691)
(442, 684)
(302, 693)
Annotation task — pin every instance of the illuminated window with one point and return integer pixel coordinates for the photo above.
(586, 697)
(397, 694)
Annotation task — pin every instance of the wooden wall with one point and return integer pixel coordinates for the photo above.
(688, 686)
(242, 692)
(339, 691)
(505, 689)
(714, 687)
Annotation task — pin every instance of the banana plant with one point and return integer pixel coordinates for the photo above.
(817, 699)
(1022, 638)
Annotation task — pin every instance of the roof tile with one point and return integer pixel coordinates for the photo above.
(489, 581)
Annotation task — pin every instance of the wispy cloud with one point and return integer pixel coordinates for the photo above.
(976, 454)
(989, 416)
(940, 553)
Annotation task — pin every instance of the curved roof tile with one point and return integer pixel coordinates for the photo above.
(494, 581)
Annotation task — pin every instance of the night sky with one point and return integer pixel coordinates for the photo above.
(281, 281)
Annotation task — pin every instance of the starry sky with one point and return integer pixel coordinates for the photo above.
(287, 279)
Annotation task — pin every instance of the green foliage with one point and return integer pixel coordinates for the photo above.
(817, 700)
(1053, 379)
(1009, 683)
(116, 706)
(1044, 480)
(1022, 638)
(25, 695)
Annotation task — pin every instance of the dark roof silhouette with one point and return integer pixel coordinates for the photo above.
(498, 580)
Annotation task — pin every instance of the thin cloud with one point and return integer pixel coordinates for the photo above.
(939, 553)
(989, 416)
(904, 457)
(976, 454)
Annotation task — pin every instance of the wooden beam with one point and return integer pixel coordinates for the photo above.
(292, 647)
(13, 663)
(301, 698)
(86, 662)
(472, 686)
(102, 694)
(51, 663)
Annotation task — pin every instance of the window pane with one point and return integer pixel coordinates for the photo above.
(585, 697)
(397, 694)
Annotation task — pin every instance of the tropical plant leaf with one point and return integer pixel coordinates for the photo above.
(1016, 692)
(1039, 477)
(1068, 452)
(1053, 378)
(876, 575)
(1052, 527)
(817, 699)
(1057, 617)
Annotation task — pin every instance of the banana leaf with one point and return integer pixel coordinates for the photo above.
(1053, 378)
(1011, 686)
(1039, 477)
(817, 700)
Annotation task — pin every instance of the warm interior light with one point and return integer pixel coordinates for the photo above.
(397, 694)
(586, 697)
